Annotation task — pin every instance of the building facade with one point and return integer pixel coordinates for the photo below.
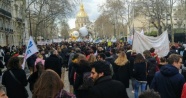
(11, 22)
(82, 18)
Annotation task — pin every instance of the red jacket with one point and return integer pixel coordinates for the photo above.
(156, 56)
(183, 95)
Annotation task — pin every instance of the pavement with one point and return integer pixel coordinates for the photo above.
(67, 87)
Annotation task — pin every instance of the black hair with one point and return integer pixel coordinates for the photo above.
(149, 94)
(102, 66)
(102, 55)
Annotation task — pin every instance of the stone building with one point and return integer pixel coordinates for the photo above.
(11, 22)
(82, 18)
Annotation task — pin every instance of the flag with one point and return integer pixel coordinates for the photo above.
(30, 50)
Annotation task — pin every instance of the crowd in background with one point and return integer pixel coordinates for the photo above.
(94, 71)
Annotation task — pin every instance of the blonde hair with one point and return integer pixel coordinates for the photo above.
(40, 56)
(122, 59)
(92, 58)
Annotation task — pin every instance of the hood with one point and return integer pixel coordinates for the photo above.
(169, 70)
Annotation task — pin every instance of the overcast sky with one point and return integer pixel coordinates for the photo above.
(91, 8)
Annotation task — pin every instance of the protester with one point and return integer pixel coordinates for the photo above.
(168, 81)
(163, 62)
(39, 59)
(104, 86)
(155, 55)
(39, 67)
(139, 74)
(92, 58)
(50, 85)
(122, 69)
(102, 57)
(14, 79)
(53, 62)
(81, 68)
(152, 66)
(149, 94)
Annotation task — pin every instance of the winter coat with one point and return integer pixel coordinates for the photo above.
(105, 87)
(13, 88)
(80, 69)
(122, 73)
(32, 80)
(54, 63)
(168, 82)
(140, 71)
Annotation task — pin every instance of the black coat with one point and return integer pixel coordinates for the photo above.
(32, 80)
(80, 69)
(54, 63)
(122, 73)
(13, 88)
(105, 87)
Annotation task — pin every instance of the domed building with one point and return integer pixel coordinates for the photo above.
(82, 18)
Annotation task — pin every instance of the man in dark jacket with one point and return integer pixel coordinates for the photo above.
(53, 62)
(169, 82)
(104, 86)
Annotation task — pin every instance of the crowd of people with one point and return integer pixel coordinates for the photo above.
(94, 71)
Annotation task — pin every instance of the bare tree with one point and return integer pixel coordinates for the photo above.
(44, 14)
(116, 11)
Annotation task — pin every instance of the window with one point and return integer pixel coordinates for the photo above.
(1, 22)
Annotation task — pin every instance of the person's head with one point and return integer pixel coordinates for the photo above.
(54, 52)
(175, 60)
(92, 58)
(40, 56)
(147, 54)
(48, 85)
(139, 58)
(100, 69)
(81, 57)
(14, 63)
(122, 58)
(3, 91)
(42, 52)
(152, 50)
(101, 57)
(39, 68)
(162, 59)
(113, 51)
(149, 94)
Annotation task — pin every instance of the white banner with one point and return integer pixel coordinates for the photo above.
(30, 50)
(143, 42)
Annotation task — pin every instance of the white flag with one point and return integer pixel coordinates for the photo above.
(30, 50)
(143, 42)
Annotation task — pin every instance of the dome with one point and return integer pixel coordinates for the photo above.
(82, 12)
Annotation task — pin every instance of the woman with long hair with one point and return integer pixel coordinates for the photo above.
(39, 67)
(122, 69)
(49, 85)
(92, 58)
(14, 79)
(139, 74)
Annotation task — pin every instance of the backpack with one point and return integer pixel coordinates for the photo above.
(87, 81)
(152, 67)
